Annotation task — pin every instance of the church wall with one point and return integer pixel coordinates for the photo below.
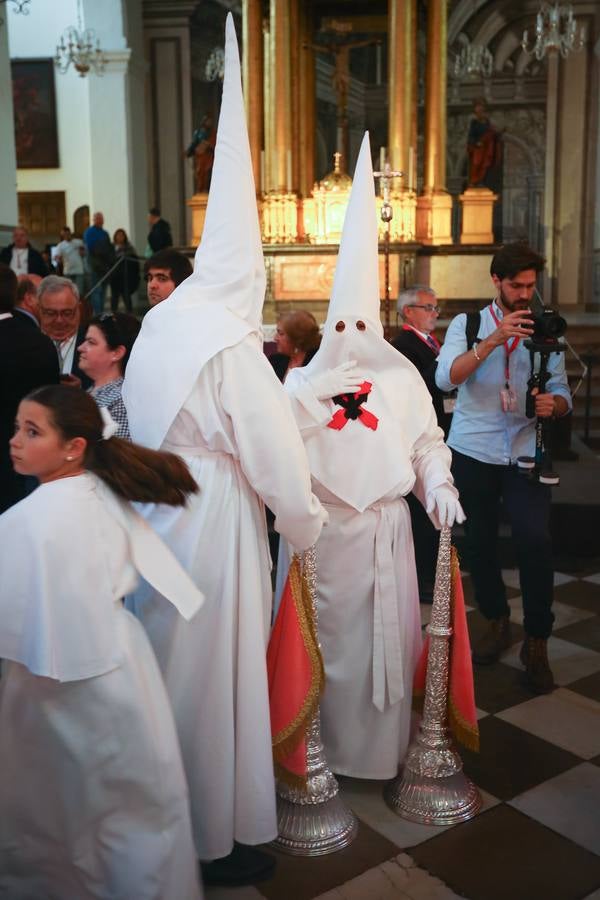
(8, 165)
(36, 36)
(98, 117)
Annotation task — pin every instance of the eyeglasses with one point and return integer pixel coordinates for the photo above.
(428, 307)
(58, 313)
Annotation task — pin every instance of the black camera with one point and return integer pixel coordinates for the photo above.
(548, 326)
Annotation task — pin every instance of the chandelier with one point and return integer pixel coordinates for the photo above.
(555, 31)
(20, 6)
(81, 48)
(473, 61)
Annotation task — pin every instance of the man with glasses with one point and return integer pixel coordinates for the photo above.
(489, 431)
(60, 319)
(419, 311)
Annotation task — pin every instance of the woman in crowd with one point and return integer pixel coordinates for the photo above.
(93, 796)
(126, 277)
(297, 338)
(103, 357)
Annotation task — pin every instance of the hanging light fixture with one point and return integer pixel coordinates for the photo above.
(18, 6)
(473, 61)
(81, 48)
(555, 32)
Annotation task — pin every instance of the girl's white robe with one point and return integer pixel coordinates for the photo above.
(93, 799)
(237, 434)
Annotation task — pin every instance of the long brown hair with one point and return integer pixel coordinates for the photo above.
(131, 471)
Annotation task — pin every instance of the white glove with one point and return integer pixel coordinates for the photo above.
(341, 380)
(443, 503)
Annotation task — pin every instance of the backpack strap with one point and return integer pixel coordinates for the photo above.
(472, 327)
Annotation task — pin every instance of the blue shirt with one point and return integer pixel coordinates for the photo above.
(480, 428)
(92, 235)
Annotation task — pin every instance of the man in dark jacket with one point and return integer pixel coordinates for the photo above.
(159, 237)
(21, 257)
(28, 360)
(419, 310)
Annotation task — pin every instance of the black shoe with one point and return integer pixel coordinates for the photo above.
(494, 640)
(244, 865)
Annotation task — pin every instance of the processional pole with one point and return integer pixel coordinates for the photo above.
(386, 214)
(313, 819)
(432, 787)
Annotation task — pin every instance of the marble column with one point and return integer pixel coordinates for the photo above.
(252, 61)
(434, 206)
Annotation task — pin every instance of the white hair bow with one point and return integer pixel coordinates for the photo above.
(110, 426)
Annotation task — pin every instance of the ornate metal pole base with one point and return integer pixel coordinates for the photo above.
(432, 788)
(315, 820)
(431, 800)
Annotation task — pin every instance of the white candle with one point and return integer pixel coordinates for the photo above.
(289, 171)
(382, 159)
(262, 171)
(411, 183)
(274, 172)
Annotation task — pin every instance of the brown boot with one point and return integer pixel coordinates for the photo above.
(494, 640)
(537, 675)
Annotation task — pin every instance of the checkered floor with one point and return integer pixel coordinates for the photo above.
(538, 834)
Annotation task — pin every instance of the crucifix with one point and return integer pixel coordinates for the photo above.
(387, 214)
(341, 82)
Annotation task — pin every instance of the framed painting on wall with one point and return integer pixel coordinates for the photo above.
(34, 106)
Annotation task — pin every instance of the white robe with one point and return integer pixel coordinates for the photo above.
(93, 799)
(237, 434)
(368, 599)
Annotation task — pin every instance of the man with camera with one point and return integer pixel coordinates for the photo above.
(490, 431)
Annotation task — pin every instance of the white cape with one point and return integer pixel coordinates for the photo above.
(92, 792)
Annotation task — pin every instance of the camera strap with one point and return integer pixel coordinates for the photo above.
(509, 347)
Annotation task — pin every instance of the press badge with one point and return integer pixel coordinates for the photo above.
(508, 400)
(449, 404)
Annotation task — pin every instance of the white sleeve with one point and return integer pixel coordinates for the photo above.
(309, 412)
(271, 452)
(431, 461)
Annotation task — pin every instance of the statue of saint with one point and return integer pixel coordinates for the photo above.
(202, 149)
(484, 146)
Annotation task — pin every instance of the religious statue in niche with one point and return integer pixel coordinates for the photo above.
(484, 148)
(202, 149)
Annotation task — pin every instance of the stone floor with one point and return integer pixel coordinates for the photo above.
(537, 836)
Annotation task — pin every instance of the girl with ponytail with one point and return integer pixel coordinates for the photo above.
(92, 791)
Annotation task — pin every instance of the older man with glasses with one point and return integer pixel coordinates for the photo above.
(60, 319)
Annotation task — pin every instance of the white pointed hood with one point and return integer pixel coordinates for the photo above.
(221, 302)
(358, 464)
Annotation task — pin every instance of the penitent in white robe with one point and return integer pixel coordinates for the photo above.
(368, 599)
(93, 800)
(237, 434)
